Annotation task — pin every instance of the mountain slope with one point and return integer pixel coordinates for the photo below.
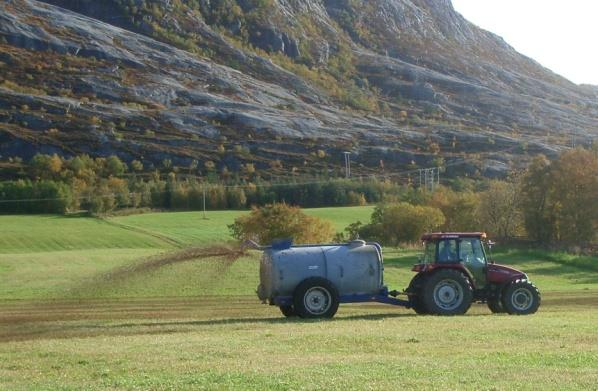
(287, 85)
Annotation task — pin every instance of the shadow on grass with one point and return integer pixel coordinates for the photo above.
(281, 320)
(63, 331)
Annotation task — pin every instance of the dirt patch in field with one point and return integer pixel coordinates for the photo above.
(24, 321)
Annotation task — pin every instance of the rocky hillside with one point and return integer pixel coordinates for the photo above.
(284, 84)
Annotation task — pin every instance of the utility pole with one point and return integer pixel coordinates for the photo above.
(204, 202)
(347, 164)
(429, 178)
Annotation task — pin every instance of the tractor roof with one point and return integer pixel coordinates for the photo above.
(453, 235)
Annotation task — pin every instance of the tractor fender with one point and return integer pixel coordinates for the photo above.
(454, 266)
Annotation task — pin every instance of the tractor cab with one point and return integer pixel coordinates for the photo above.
(454, 271)
(457, 249)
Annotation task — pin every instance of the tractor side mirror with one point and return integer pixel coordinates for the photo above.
(490, 244)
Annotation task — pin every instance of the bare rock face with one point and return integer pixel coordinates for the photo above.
(404, 82)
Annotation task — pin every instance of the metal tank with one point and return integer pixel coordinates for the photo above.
(354, 268)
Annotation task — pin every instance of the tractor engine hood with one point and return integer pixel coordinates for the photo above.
(500, 274)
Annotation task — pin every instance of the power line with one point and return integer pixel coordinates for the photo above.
(428, 181)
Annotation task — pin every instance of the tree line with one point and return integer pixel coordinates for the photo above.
(551, 202)
(52, 184)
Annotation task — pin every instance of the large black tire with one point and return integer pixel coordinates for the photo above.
(447, 292)
(495, 306)
(415, 291)
(288, 311)
(316, 297)
(521, 297)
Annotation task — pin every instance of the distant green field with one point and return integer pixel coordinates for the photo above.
(51, 256)
(30, 234)
(67, 323)
(55, 257)
(192, 228)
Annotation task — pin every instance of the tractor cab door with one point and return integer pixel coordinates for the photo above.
(472, 255)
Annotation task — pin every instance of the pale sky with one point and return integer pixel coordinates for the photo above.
(562, 35)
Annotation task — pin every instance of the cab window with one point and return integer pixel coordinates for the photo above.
(447, 251)
(429, 252)
(470, 251)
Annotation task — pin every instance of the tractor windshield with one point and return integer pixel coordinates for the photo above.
(470, 251)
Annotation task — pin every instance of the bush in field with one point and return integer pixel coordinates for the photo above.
(401, 222)
(279, 220)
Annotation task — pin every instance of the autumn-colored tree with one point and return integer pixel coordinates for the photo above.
(46, 166)
(574, 182)
(461, 209)
(535, 200)
(113, 166)
(278, 221)
(137, 166)
(500, 212)
(401, 222)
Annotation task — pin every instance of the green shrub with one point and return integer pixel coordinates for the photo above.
(277, 221)
(396, 223)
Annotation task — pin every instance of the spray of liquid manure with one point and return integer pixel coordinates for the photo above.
(228, 254)
(222, 256)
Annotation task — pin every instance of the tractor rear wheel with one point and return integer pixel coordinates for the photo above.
(316, 297)
(447, 292)
(418, 305)
(521, 297)
(415, 291)
(288, 311)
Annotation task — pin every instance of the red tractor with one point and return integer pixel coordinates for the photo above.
(455, 272)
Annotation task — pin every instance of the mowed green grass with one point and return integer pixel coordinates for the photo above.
(192, 228)
(52, 257)
(65, 324)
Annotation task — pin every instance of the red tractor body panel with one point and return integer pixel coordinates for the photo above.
(500, 274)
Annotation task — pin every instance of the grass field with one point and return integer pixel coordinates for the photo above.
(66, 322)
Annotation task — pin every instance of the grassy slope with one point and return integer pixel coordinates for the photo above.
(217, 335)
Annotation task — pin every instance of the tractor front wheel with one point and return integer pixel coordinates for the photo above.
(521, 297)
(447, 292)
(495, 306)
(288, 311)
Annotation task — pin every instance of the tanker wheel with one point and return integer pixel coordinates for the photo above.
(495, 306)
(288, 311)
(447, 292)
(316, 298)
(521, 298)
